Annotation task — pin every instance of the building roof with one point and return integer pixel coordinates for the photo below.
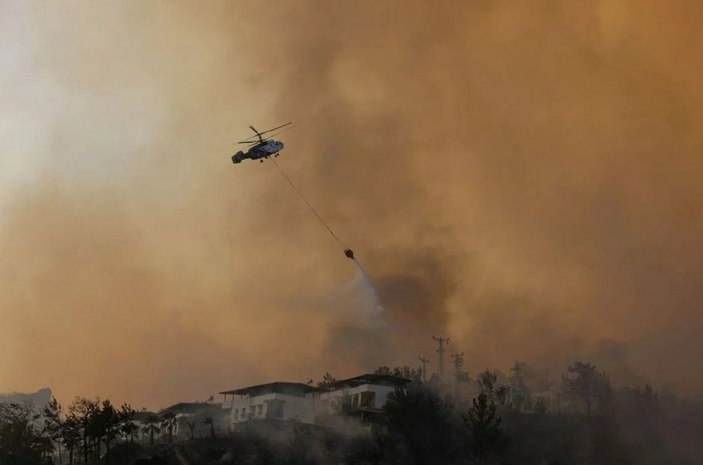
(370, 378)
(280, 387)
(192, 407)
(142, 415)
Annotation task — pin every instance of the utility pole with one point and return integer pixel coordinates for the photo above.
(441, 341)
(424, 361)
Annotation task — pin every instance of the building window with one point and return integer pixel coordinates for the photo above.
(235, 413)
(275, 409)
(260, 410)
(244, 413)
(368, 399)
(252, 410)
(355, 401)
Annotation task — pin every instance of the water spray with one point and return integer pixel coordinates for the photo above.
(376, 319)
(377, 312)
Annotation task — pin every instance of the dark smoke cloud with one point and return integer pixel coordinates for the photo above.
(525, 179)
(555, 143)
(415, 286)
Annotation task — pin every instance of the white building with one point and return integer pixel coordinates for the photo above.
(192, 419)
(274, 401)
(369, 391)
(362, 397)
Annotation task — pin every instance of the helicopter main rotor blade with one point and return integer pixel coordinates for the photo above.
(263, 139)
(277, 127)
(259, 134)
(276, 133)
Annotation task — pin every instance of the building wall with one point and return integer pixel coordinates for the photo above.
(357, 395)
(273, 405)
(313, 408)
(184, 421)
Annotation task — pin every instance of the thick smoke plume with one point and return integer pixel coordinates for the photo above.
(523, 179)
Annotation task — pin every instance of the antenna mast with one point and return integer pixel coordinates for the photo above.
(458, 359)
(441, 341)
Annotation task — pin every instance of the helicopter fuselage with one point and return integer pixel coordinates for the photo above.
(259, 151)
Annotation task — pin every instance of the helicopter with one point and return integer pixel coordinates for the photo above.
(262, 148)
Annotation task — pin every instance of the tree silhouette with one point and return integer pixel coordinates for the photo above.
(502, 394)
(168, 421)
(327, 382)
(53, 424)
(71, 435)
(384, 370)
(85, 411)
(487, 383)
(21, 441)
(421, 417)
(407, 372)
(109, 421)
(540, 406)
(585, 384)
(648, 400)
(485, 433)
(152, 426)
(127, 426)
(519, 392)
(209, 421)
(191, 426)
(299, 447)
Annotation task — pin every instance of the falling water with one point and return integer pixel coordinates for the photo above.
(370, 296)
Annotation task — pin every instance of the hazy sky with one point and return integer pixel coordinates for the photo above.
(524, 178)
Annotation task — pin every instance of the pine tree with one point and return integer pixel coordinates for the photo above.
(486, 434)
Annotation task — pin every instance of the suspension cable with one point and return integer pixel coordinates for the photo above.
(312, 209)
